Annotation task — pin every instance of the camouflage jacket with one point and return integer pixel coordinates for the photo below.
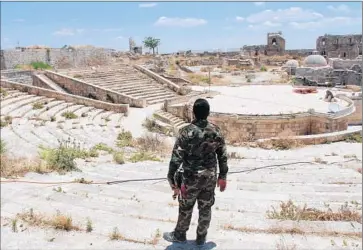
(200, 145)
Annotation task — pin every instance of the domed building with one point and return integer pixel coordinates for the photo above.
(314, 61)
(290, 66)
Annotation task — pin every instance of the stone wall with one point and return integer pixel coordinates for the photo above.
(80, 88)
(160, 79)
(356, 117)
(39, 82)
(336, 63)
(251, 127)
(322, 138)
(16, 73)
(177, 80)
(344, 46)
(57, 58)
(119, 108)
(314, 74)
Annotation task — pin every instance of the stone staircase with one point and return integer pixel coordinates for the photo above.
(32, 127)
(165, 117)
(126, 80)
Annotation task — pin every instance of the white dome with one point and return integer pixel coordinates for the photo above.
(292, 64)
(315, 61)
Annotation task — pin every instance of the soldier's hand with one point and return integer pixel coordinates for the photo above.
(176, 192)
(221, 184)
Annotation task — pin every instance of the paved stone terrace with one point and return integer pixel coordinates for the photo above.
(33, 127)
(124, 79)
(139, 209)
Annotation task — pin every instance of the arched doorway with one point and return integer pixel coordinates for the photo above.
(274, 42)
(344, 55)
(323, 42)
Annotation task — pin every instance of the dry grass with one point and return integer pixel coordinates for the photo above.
(290, 211)
(234, 155)
(280, 144)
(115, 235)
(119, 157)
(58, 221)
(354, 138)
(152, 219)
(18, 167)
(198, 78)
(89, 227)
(124, 139)
(152, 126)
(82, 181)
(153, 143)
(292, 230)
(143, 156)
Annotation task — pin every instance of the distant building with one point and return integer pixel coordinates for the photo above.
(339, 46)
(275, 46)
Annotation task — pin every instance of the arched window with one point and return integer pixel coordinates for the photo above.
(350, 40)
(344, 54)
(274, 42)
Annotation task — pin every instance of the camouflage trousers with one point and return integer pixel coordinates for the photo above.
(200, 187)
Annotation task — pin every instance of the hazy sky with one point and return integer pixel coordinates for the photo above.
(179, 25)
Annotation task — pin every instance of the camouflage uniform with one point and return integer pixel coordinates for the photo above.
(196, 148)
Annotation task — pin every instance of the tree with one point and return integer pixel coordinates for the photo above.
(151, 43)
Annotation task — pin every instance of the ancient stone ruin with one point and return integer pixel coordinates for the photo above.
(339, 46)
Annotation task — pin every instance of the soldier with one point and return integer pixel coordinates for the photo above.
(198, 148)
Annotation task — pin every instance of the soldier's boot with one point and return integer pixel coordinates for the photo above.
(201, 239)
(175, 236)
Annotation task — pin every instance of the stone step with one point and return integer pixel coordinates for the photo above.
(119, 82)
(23, 109)
(161, 98)
(132, 88)
(114, 78)
(11, 100)
(164, 95)
(38, 112)
(157, 100)
(71, 108)
(132, 85)
(46, 114)
(149, 92)
(17, 105)
(13, 95)
(124, 84)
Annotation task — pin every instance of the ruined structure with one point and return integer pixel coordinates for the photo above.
(342, 46)
(275, 46)
(133, 48)
(291, 66)
(317, 70)
(65, 57)
(2, 60)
